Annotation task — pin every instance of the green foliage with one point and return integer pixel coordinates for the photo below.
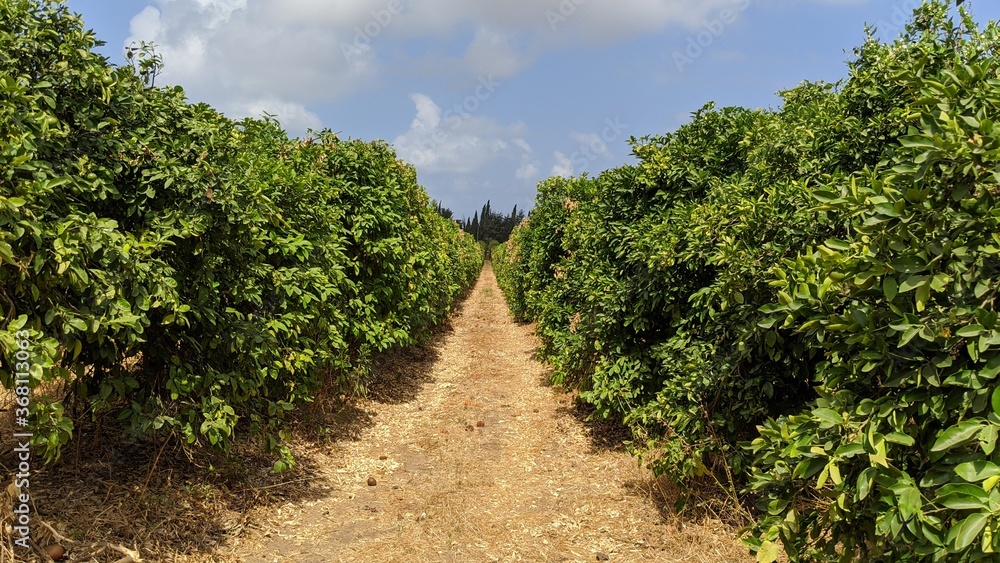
(646, 280)
(192, 273)
(896, 459)
(801, 302)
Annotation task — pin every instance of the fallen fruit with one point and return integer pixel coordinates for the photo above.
(372, 482)
(383, 457)
(55, 552)
(480, 424)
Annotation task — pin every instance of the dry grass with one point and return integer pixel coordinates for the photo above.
(534, 482)
(110, 500)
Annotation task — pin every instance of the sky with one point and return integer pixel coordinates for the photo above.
(487, 98)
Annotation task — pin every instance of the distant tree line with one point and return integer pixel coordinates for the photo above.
(486, 225)
(442, 210)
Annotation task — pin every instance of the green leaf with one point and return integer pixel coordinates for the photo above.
(917, 141)
(768, 322)
(908, 335)
(923, 296)
(890, 288)
(838, 245)
(970, 331)
(808, 467)
(956, 435)
(912, 282)
(825, 196)
(992, 368)
(981, 288)
(975, 471)
(940, 282)
(961, 502)
(835, 473)
(967, 531)
(865, 480)
(6, 252)
(849, 450)
(990, 482)
(768, 552)
(18, 323)
(910, 502)
(898, 438)
(823, 476)
(988, 439)
(829, 416)
(909, 264)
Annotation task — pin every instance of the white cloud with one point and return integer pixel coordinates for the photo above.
(455, 141)
(428, 115)
(591, 144)
(233, 56)
(527, 171)
(219, 11)
(342, 14)
(284, 56)
(594, 19)
(313, 50)
(146, 24)
(563, 166)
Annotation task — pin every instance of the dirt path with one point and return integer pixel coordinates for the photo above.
(529, 483)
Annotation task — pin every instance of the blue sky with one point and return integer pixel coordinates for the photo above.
(487, 98)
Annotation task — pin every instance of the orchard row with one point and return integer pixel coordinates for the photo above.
(801, 304)
(196, 275)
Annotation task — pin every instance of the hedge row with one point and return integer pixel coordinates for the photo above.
(802, 302)
(194, 273)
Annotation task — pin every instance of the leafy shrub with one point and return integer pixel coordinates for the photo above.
(644, 282)
(815, 284)
(896, 459)
(188, 271)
